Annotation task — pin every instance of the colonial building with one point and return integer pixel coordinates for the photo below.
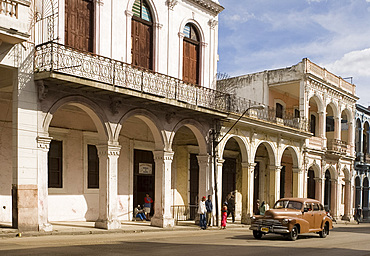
(289, 163)
(362, 162)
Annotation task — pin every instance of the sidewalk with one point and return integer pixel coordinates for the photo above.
(84, 228)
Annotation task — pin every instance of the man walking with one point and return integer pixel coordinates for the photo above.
(202, 213)
(209, 208)
(231, 207)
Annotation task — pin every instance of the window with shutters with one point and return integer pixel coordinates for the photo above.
(142, 35)
(190, 71)
(55, 164)
(279, 110)
(79, 24)
(92, 167)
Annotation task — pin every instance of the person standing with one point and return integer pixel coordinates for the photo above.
(209, 208)
(231, 207)
(358, 213)
(263, 208)
(147, 205)
(223, 217)
(202, 213)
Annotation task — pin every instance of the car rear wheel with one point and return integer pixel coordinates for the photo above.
(257, 234)
(293, 235)
(325, 231)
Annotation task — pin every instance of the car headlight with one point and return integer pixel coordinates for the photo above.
(285, 221)
(253, 218)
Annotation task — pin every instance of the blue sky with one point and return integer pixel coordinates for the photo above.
(256, 35)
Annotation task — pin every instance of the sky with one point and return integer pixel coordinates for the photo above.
(257, 35)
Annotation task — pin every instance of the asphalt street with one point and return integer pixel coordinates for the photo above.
(343, 240)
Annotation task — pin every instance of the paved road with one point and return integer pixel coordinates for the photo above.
(343, 240)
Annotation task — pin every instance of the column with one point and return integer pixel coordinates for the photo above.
(351, 138)
(361, 139)
(203, 162)
(108, 187)
(247, 191)
(318, 189)
(219, 165)
(334, 198)
(163, 196)
(298, 182)
(274, 184)
(322, 130)
(43, 145)
(347, 201)
(337, 128)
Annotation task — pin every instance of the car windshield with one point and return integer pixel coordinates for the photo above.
(286, 204)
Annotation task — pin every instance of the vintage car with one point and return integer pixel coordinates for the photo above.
(291, 217)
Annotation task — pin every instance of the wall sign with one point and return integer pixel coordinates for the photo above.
(145, 168)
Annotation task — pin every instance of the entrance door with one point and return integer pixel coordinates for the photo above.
(282, 182)
(311, 184)
(194, 185)
(190, 66)
(79, 24)
(327, 191)
(144, 177)
(256, 186)
(228, 177)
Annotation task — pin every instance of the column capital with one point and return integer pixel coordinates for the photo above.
(43, 142)
(318, 179)
(297, 170)
(171, 4)
(275, 168)
(129, 14)
(203, 159)
(163, 155)
(181, 35)
(333, 180)
(220, 161)
(108, 150)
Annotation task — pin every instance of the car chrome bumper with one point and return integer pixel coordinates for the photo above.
(271, 229)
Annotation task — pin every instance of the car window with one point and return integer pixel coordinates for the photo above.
(321, 207)
(315, 207)
(288, 204)
(307, 207)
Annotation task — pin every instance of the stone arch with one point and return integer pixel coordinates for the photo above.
(95, 112)
(242, 142)
(196, 25)
(316, 168)
(270, 150)
(333, 172)
(293, 151)
(198, 130)
(151, 121)
(152, 7)
(319, 102)
(334, 107)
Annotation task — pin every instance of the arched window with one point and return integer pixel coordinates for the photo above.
(279, 110)
(79, 24)
(311, 186)
(190, 70)
(142, 35)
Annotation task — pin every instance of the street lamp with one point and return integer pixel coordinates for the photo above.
(216, 143)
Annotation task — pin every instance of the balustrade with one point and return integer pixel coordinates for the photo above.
(54, 57)
(9, 8)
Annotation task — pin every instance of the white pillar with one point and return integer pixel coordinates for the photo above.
(108, 187)
(220, 163)
(163, 200)
(319, 189)
(298, 182)
(337, 128)
(334, 197)
(203, 162)
(274, 184)
(43, 144)
(347, 200)
(247, 191)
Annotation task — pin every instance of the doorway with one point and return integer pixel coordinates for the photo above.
(228, 177)
(194, 185)
(144, 177)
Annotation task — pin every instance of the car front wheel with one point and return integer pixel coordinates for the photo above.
(293, 235)
(325, 231)
(257, 234)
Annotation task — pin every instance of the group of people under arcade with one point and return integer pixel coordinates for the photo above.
(143, 213)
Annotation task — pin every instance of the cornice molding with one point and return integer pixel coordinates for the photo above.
(213, 7)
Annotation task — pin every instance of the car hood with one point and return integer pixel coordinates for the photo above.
(281, 213)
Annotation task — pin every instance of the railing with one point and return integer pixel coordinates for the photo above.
(54, 57)
(338, 146)
(184, 212)
(329, 77)
(9, 8)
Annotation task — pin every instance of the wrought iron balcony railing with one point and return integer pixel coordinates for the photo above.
(54, 57)
(338, 146)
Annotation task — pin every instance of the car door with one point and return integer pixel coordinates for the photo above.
(319, 214)
(308, 215)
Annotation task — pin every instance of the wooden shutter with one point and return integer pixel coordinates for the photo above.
(190, 63)
(55, 164)
(141, 36)
(93, 167)
(79, 24)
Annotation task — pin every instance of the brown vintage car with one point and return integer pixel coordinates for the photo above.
(291, 217)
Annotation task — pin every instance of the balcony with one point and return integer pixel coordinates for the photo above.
(338, 147)
(14, 21)
(53, 60)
